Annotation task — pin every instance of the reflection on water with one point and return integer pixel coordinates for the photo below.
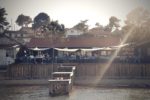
(78, 93)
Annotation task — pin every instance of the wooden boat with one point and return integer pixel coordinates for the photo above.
(62, 81)
(65, 68)
(59, 86)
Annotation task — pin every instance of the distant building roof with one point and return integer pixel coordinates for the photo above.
(98, 31)
(6, 41)
(74, 42)
(5, 46)
(16, 32)
(27, 32)
(27, 29)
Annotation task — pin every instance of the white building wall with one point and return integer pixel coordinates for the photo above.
(5, 60)
(73, 32)
(2, 56)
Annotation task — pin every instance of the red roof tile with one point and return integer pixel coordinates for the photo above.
(75, 42)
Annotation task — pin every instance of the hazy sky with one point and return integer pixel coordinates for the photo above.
(70, 12)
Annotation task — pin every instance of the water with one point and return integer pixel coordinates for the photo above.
(78, 93)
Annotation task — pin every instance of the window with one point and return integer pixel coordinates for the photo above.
(148, 51)
(109, 53)
(18, 35)
(21, 35)
(10, 35)
(103, 53)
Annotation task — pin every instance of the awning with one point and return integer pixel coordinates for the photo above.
(92, 49)
(83, 49)
(66, 49)
(38, 49)
(120, 46)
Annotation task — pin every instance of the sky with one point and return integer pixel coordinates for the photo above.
(71, 12)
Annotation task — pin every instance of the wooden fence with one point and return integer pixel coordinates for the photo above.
(29, 71)
(43, 71)
(117, 70)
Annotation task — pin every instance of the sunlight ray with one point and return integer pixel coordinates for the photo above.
(108, 64)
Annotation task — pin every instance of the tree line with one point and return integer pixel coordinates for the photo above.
(42, 21)
(137, 24)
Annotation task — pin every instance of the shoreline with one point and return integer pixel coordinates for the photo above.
(104, 83)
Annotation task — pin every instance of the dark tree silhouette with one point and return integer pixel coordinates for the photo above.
(44, 25)
(42, 19)
(5, 25)
(3, 22)
(28, 20)
(82, 26)
(54, 27)
(113, 23)
(23, 20)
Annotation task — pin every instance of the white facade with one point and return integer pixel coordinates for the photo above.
(5, 60)
(73, 32)
(2, 56)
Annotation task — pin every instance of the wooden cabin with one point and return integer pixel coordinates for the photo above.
(62, 75)
(66, 68)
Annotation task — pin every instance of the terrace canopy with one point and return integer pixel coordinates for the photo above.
(75, 44)
(66, 49)
(39, 49)
(83, 49)
(96, 49)
(71, 48)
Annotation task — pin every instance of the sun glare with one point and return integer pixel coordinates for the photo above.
(108, 65)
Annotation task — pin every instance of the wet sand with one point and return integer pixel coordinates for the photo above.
(78, 93)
